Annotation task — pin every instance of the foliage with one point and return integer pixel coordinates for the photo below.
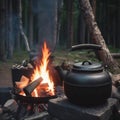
(74, 56)
(18, 57)
(63, 29)
(113, 49)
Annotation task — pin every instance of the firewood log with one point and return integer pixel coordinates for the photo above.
(11, 104)
(23, 82)
(30, 87)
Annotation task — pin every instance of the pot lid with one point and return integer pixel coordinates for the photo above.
(87, 66)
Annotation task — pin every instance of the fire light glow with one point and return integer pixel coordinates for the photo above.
(42, 70)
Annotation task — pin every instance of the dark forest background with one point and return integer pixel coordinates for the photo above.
(25, 24)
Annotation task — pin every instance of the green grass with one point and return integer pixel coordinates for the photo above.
(17, 58)
(114, 50)
(60, 56)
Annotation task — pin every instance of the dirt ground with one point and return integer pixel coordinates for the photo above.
(5, 75)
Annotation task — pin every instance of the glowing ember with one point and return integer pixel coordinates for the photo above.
(43, 71)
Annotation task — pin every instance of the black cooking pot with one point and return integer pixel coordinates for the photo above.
(87, 83)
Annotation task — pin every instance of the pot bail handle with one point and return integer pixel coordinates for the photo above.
(88, 62)
(86, 46)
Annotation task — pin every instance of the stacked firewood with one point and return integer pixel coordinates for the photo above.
(24, 65)
(26, 88)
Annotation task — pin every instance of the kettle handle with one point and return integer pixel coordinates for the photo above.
(86, 46)
(86, 62)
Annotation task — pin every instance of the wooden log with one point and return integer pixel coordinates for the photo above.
(44, 85)
(8, 110)
(23, 82)
(30, 87)
(115, 55)
(43, 90)
(11, 105)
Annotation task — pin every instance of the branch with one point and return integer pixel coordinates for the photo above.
(21, 28)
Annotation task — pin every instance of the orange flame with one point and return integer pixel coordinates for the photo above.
(43, 71)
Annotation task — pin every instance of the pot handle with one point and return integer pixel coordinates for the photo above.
(86, 46)
(88, 62)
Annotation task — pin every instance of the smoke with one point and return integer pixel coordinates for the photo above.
(43, 5)
(46, 14)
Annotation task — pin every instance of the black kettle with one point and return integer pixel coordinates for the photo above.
(87, 83)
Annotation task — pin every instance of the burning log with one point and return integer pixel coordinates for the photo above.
(30, 87)
(44, 90)
(23, 82)
(20, 85)
(44, 85)
(44, 93)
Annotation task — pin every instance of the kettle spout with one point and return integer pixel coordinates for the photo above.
(62, 73)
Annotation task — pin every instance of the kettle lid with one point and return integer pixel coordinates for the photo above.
(87, 66)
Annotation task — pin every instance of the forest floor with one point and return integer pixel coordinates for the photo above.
(60, 56)
(5, 68)
(5, 75)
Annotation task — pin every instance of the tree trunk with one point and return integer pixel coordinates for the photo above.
(26, 6)
(59, 8)
(56, 23)
(97, 38)
(30, 25)
(118, 25)
(93, 4)
(16, 22)
(9, 30)
(81, 31)
(2, 30)
(21, 27)
(69, 6)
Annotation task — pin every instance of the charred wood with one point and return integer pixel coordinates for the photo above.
(30, 87)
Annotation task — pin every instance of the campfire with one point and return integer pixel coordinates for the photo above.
(40, 84)
(40, 81)
(34, 84)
